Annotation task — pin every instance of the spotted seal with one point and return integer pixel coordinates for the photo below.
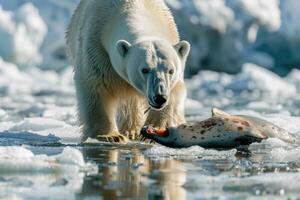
(222, 130)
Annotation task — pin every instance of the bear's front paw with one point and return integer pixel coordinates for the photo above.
(132, 134)
(118, 138)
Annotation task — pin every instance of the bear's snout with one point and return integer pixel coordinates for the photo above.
(160, 100)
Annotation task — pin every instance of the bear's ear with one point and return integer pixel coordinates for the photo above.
(183, 49)
(123, 47)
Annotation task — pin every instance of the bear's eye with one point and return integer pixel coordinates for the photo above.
(171, 71)
(145, 71)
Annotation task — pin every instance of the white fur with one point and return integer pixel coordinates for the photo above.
(110, 42)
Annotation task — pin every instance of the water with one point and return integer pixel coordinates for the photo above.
(137, 171)
(128, 173)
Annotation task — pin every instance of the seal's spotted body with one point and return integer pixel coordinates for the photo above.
(222, 130)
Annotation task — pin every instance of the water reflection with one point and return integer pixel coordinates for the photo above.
(125, 173)
(130, 173)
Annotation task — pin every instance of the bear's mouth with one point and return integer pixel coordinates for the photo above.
(156, 107)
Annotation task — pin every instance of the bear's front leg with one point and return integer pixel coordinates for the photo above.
(132, 117)
(173, 113)
(97, 113)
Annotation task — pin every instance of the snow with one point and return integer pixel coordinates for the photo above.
(290, 18)
(24, 32)
(283, 155)
(253, 77)
(44, 108)
(266, 13)
(56, 15)
(224, 32)
(254, 88)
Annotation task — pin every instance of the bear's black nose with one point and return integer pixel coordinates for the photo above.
(160, 99)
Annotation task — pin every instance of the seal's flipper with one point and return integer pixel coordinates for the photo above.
(247, 140)
(215, 112)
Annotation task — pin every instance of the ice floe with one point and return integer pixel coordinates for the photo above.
(21, 160)
(30, 176)
(191, 153)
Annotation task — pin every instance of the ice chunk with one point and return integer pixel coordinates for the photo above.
(294, 78)
(22, 34)
(213, 13)
(266, 13)
(15, 153)
(30, 33)
(194, 152)
(38, 124)
(22, 160)
(71, 156)
(7, 30)
(290, 18)
(41, 130)
(2, 114)
(27, 138)
(12, 79)
(285, 155)
(33, 176)
(55, 14)
(223, 32)
(254, 77)
(192, 106)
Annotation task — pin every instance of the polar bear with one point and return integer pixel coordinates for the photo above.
(128, 59)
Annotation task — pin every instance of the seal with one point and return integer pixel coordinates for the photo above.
(222, 130)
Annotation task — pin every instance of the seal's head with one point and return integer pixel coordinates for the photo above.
(162, 136)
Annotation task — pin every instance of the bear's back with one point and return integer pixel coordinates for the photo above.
(144, 18)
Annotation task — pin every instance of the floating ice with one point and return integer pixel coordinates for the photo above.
(22, 160)
(31, 176)
(194, 152)
(40, 130)
(8, 138)
(285, 155)
(37, 124)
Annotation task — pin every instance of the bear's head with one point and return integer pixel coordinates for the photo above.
(153, 67)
